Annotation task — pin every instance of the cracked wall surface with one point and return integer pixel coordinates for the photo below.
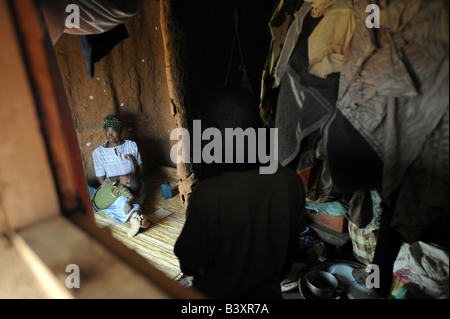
(131, 82)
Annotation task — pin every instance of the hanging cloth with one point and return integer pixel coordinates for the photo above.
(96, 16)
(330, 39)
(320, 7)
(394, 91)
(282, 18)
(96, 46)
(290, 42)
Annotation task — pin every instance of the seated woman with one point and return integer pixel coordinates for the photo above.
(117, 157)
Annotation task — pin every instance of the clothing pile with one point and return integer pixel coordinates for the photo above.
(421, 270)
(363, 111)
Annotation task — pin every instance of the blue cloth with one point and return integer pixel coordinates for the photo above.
(340, 208)
(115, 211)
(335, 208)
(91, 192)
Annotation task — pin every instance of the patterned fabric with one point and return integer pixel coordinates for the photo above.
(364, 239)
(109, 162)
(112, 121)
(311, 172)
(394, 90)
(364, 242)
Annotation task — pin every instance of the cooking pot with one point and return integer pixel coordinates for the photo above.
(322, 284)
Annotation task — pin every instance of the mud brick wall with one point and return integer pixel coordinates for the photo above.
(131, 82)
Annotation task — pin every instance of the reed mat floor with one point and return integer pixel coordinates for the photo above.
(157, 241)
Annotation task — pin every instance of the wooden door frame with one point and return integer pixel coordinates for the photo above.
(50, 109)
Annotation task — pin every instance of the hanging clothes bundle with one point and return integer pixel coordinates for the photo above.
(394, 92)
(375, 109)
(305, 80)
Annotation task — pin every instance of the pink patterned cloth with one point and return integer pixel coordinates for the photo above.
(109, 162)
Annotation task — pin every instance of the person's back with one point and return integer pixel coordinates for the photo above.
(241, 231)
(242, 227)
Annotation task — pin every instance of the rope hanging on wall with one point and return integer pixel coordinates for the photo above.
(245, 79)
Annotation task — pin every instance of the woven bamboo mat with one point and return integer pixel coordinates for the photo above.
(157, 241)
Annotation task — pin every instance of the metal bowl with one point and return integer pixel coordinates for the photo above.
(322, 284)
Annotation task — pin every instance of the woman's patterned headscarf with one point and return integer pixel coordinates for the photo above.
(112, 121)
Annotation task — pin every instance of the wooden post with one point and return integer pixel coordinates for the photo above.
(177, 74)
(52, 108)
